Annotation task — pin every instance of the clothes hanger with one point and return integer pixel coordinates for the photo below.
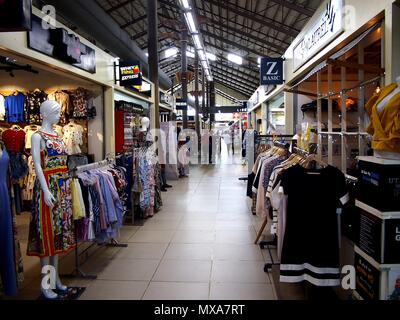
(311, 161)
(16, 127)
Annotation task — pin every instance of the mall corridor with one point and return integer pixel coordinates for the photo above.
(199, 247)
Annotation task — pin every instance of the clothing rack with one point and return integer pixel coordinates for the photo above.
(77, 272)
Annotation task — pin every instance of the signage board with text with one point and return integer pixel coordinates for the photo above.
(129, 73)
(328, 26)
(271, 71)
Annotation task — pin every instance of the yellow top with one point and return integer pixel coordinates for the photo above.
(385, 125)
(78, 210)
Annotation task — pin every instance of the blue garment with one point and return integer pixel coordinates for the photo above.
(14, 106)
(7, 257)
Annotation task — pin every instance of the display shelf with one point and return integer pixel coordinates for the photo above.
(373, 262)
(377, 213)
(379, 160)
(374, 281)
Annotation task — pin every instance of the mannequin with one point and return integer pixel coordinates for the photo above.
(50, 204)
(145, 123)
(380, 107)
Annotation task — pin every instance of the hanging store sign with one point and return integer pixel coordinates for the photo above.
(271, 71)
(327, 27)
(181, 104)
(122, 105)
(129, 73)
(228, 109)
(61, 45)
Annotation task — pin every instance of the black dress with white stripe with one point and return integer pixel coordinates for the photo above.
(310, 249)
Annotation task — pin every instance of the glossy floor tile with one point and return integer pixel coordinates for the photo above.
(199, 246)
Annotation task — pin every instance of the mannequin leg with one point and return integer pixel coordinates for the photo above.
(47, 293)
(54, 263)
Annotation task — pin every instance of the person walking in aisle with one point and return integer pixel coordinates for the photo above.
(228, 141)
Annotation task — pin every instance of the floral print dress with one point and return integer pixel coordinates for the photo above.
(51, 229)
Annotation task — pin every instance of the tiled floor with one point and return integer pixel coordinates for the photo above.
(200, 246)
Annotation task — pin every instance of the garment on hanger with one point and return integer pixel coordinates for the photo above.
(59, 130)
(310, 250)
(33, 101)
(8, 274)
(79, 101)
(14, 105)
(385, 125)
(14, 140)
(29, 181)
(64, 101)
(29, 131)
(2, 109)
(73, 138)
(51, 229)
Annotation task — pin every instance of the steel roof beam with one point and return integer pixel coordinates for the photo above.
(132, 22)
(279, 49)
(119, 6)
(294, 7)
(253, 16)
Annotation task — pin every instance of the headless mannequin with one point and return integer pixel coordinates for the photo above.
(51, 112)
(381, 153)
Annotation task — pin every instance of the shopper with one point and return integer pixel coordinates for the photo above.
(228, 140)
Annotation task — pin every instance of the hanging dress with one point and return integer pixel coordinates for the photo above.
(51, 229)
(8, 276)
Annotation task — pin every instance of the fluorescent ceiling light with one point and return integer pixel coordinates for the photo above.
(146, 54)
(197, 42)
(235, 58)
(210, 79)
(259, 60)
(185, 4)
(204, 64)
(190, 22)
(211, 56)
(171, 52)
(190, 54)
(202, 55)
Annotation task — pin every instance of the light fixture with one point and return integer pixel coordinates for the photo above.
(211, 56)
(185, 4)
(190, 22)
(235, 58)
(204, 64)
(146, 54)
(170, 52)
(202, 55)
(378, 88)
(209, 78)
(190, 54)
(197, 42)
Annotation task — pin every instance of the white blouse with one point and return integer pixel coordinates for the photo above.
(73, 138)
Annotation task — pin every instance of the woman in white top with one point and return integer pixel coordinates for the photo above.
(228, 140)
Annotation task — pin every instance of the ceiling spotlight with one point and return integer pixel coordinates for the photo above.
(235, 58)
(197, 42)
(190, 21)
(185, 4)
(170, 52)
(211, 56)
